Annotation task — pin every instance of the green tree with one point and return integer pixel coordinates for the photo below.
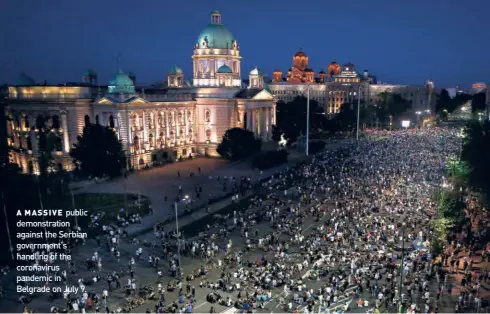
(47, 141)
(476, 152)
(390, 107)
(98, 152)
(238, 143)
(451, 206)
(478, 102)
(444, 102)
(346, 119)
(441, 226)
(291, 117)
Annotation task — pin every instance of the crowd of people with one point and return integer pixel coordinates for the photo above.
(349, 229)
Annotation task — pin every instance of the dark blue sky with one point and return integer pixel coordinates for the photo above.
(400, 41)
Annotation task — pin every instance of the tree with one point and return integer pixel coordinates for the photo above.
(441, 227)
(478, 102)
(444, 102)
(238, 143)
(98, 152)
(390, 106)
(345, 120)
(476, 152)
(291, 117)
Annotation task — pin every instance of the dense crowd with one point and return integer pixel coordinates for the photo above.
(350, 229)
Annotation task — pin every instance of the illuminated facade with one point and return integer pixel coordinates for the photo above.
(216, 58)
(342, 84)
(300, 72)
(154, 124)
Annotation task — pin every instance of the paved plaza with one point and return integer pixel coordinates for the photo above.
(329, 224)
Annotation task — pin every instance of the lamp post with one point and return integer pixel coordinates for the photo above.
(358, 111)
(177, 235)
(418, 113)
(8, 229)
(307, 118)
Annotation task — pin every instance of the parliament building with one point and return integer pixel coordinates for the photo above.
(153, 123)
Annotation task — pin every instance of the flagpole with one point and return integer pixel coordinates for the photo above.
(8, 229)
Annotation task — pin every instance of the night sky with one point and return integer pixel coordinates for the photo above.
(399, 41)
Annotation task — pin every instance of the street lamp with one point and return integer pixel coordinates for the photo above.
(358, 111)
(177, 236)
(307, 117)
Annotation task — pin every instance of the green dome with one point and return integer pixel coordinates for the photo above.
(224, 69)
(24, 80)
(121, 83)
(90, 72)
(216, 36)
(175, 70)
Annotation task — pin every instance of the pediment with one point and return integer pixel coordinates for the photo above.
(106, 101)
(136, 100)
(263, 95)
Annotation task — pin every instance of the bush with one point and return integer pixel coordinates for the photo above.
(315, 147)
(270, 159)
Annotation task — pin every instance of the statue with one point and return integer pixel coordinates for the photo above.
(283, 142)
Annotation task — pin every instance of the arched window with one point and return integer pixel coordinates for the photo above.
(136, 143)
(97, 119)
(111, 122)
(151, 140)
(181, 117)
(55, 122)
(87, 120)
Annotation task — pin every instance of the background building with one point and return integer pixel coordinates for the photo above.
(172, 122)
(342, 84)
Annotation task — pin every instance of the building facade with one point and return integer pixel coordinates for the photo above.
(342, 84)
(153, 124)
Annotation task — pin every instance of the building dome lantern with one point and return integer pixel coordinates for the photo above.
(121, 84)
(216, 46)
(175, 76)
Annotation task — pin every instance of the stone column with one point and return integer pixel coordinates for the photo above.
(145, 130)
(268, 122)
(64, 125)
(249, 120)
(186, 118)
(263, 119)
(254, 126)
(167, 119)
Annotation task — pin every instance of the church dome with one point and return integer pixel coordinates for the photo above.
(224, 69)
(216, 35)
(300, 54)
(121, 83)
(24, 80)
(175, 70)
